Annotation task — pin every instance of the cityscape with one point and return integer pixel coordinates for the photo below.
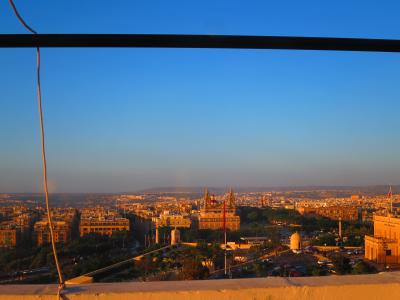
(199, 233)
(156, 150)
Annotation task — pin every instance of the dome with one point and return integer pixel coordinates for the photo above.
(295, 241)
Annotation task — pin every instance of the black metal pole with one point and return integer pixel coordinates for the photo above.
(198, 41)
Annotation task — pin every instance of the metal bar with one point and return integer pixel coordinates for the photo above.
(198, 41)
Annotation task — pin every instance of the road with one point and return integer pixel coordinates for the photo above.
(262, 257)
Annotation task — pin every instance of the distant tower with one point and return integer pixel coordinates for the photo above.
(207, 199)
(340, 227)
(224, 226)
(390, 196)
(295, 241)
(231, 199)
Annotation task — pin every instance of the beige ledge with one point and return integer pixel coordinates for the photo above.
(378, 286)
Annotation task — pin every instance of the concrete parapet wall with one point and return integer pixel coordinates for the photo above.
(378, 286)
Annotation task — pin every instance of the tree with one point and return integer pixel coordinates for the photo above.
(363, 268)
(40, 259)
(324, 239)
(193, 269)
(341, 263)
(252, 216)
(317, 271)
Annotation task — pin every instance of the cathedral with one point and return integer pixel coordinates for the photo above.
(213, 212)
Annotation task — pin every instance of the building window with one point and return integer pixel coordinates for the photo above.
(388, 252)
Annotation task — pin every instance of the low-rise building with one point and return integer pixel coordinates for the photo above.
(103, 226)
(167, 220)
(345, 213)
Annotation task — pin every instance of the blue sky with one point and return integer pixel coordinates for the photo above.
(127, 119)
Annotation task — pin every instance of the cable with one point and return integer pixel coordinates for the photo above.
(44, 162)
(20, 18)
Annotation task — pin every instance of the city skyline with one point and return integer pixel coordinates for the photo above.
(124, 120)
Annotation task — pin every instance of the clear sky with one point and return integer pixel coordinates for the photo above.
(127, 119)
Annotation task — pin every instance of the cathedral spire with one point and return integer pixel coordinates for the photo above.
(207, 199)
(231, 198)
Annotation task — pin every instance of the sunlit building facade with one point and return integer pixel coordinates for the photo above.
(384, 246)
(167, 220)
(103, 226)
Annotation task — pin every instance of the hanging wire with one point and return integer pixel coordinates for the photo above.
(44, 163)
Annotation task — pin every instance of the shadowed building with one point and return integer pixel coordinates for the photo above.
(346, 213)
(212, 213)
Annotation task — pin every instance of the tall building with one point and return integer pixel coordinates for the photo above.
(212, 213)
(23, 222)
(8, 235)
(384, 246)
(143, 222)
(61, 231)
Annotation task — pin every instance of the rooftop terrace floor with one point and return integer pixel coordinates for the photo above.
(376, 286)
